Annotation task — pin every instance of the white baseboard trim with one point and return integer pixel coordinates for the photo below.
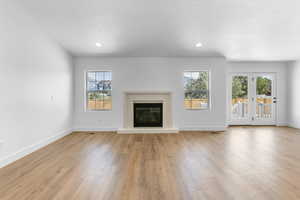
(187, 128)
(258, 123)
(282, 124)
(293, 125)
(34, 147)
(95, 129)
(204, 128)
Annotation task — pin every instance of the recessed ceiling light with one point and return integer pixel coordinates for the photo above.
(98, 44)
(199, 44)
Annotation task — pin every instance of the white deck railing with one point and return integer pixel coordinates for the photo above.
(240, 110)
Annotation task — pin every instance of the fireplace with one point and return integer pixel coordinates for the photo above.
(148, 114)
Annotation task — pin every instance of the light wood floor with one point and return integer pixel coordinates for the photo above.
(242, 163)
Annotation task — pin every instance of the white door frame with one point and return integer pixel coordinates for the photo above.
(251, 119)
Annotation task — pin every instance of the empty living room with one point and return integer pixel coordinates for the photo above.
(149, 100)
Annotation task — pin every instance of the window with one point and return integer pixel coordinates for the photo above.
(98, 90)
(196, 89)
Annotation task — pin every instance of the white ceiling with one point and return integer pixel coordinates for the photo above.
(237, 29)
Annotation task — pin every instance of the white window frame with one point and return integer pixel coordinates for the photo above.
(209, 89)
(86, 91)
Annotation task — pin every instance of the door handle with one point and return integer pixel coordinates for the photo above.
(274, 101)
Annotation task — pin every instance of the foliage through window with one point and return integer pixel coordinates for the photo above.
(98, 90)
(240, 87)
(196, 89)
(240, 104)
(263, 86)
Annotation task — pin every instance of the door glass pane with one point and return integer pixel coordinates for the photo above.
(240, 102)
(264, 97)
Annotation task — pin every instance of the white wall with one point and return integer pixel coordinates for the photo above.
(151, 74)
(280, 68)
(32, 69)
(294, 94)
(36, 83)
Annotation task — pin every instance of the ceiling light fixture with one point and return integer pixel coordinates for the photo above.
(98, 44)
(199, 44)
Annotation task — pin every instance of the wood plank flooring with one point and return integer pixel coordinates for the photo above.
(242, 163)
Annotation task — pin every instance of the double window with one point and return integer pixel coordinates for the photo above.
(196, 89)
(98, 90)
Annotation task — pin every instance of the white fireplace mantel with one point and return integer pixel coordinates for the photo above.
(147, 97)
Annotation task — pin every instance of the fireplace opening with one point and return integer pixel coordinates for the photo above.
(148, 115)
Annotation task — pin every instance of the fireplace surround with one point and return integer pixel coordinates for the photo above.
(137, 98)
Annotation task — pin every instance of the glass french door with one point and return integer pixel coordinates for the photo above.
(264, 98)
(253, 99)
(240, 98)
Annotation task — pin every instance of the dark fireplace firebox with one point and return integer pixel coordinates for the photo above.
(148, 114)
